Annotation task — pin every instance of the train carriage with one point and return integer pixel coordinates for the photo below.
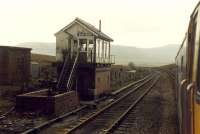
(188, 78)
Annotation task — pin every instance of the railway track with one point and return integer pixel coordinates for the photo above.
(127, 119)
(120, 92)
(171, 75)
(84, 111)
(102, 120)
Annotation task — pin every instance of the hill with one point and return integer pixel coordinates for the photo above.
(40, 47)
(145, 56)
(124, 54)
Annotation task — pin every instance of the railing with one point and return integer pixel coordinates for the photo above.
(65, 80)
(88, 57)
(72, 72)
(106, 60)
(63, 73)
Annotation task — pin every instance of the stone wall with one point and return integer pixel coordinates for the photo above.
(39, 101)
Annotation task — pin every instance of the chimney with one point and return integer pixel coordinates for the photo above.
(99, 25)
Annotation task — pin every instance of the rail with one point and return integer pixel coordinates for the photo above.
(169, 73)
(49, 123)
(131, 84)
(84, 122)
(120, 119)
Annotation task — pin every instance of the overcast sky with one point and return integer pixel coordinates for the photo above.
(140, 23)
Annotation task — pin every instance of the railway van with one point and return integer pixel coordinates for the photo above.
(188, 77)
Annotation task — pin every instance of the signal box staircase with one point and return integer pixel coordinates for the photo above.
(67, 75)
